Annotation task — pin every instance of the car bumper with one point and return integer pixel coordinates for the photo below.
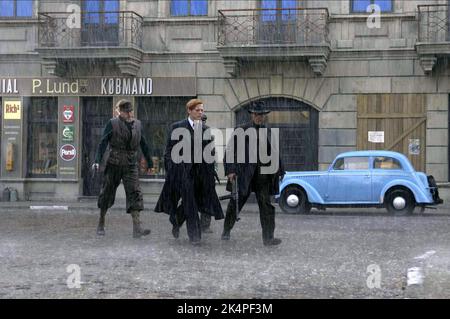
(434, 190)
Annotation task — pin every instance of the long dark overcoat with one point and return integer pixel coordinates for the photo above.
(179, 178)
(246, 170)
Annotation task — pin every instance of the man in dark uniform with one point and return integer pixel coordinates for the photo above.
(124, 136)
(250, 178)
(187, 178)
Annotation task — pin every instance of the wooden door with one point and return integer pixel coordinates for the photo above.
(402, 118)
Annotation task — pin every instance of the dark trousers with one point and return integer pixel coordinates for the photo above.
(188, 210)
(260, 184)
(205, 219)
(130, 177)
(180, 218)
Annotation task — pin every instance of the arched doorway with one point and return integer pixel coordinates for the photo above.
(298, 124)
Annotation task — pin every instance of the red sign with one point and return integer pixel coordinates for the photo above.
(68, 114)
(67, 152)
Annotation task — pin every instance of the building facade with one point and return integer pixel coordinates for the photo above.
(337, 75)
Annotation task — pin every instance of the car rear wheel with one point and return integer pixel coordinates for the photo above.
(293, 200)
(400, 202)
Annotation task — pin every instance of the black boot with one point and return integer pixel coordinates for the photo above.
(226, 235)
(101, 224)
(272, 242)
(175, 231)
(138, 232)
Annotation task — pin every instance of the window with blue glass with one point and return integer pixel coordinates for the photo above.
(100, 20)
(16, 8)
(271, 9)
(362, 5)
(101, 11)
(189, 8)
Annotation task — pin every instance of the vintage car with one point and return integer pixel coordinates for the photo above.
(360, 178)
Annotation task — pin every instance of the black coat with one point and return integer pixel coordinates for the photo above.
(245, 171)
(179, 177)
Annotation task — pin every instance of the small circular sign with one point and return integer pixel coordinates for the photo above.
(67, 152)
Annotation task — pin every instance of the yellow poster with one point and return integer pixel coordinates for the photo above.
(12, 110)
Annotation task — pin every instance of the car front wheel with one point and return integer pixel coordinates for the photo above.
(399, 202)
(293, 200)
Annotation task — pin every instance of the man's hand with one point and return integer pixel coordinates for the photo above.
(231, 176)
(95, 167)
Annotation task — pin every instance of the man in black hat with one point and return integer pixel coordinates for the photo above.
(123, 133)
(251, 178)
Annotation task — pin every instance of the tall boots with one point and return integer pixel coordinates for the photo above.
(138, 232)
(101, 223)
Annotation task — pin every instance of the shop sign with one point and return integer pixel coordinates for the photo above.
(67, 152)
(101, 86)
(68, 133)
(12, 110)
(8, 86)
(68, 113)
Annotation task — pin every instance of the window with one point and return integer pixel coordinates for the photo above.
(97, 11)
(189, 8)
(100, 23)
(42, 136)
(386, 163)
(352, 163)
(361, 5)
(156, 115)
(270, 14)
(16, 8)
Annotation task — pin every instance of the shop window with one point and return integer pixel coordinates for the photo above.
(188, 8)
(156, 115)
(42, 136)
(362, 5)
(16, 8)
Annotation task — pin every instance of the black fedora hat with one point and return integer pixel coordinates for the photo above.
(258, 107)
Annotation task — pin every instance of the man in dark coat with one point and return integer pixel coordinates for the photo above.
(124, 136)
(251, 175)
(205, 219)
(189, 176)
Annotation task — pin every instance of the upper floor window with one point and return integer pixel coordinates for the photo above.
(189, 8)
(16, 8)
(101, 11)
(271, 9)
(362, 5)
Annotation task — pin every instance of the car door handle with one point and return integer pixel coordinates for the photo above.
(367, 176)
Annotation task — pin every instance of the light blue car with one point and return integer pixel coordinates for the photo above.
(361, 178)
